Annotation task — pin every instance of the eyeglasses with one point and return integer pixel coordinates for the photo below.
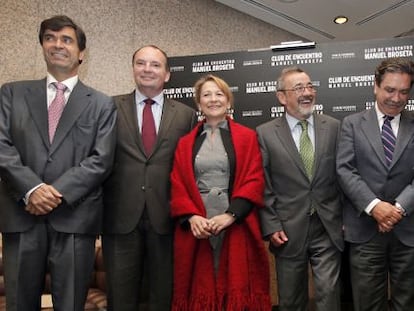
(300, 89)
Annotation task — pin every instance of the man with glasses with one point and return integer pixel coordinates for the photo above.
(302, 218)
(375, 162)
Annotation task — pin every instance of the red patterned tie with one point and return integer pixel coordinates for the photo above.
(148, 126)
(56, 108)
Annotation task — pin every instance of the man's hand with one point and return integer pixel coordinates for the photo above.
(278, 238)
(386, 215)
(43, 200)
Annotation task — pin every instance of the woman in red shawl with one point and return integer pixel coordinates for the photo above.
(220, 262)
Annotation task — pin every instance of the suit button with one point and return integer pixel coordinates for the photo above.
(143, 188)
(50, 159)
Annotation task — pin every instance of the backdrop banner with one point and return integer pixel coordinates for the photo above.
(343, 73)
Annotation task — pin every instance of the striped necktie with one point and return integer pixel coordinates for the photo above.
(388, 139)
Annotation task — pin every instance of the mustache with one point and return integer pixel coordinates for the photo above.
(305, 98)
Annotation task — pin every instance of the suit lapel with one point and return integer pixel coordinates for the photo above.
(321, 139)
(167, 118)
(285, 136)
(35, 98)
(128, 110)
(168, 113)
(405, 134)
(370, 128)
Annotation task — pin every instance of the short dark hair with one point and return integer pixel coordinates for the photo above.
(58, 22)
(167, 65)
(394, 65)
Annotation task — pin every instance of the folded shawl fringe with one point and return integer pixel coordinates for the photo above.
(236, 302)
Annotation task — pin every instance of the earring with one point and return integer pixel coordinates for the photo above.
(230, 112)
(200, 115)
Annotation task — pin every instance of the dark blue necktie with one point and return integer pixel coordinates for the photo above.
(388, 139)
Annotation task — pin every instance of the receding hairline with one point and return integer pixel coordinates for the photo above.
(155, 48)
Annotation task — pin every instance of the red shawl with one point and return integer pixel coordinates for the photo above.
(242, 281)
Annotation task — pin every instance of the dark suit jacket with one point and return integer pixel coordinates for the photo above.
(364, 176)
(76, 163)
(137, 180)
(289, 193)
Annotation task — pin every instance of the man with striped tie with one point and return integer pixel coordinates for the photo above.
(375, 165)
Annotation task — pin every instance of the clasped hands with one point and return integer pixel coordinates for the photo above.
(203, 228)
(43, 200)
(386, 215)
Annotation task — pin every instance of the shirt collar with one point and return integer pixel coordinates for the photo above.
(70, 83)
(139, 97)
(380, 116)
(222, 125)
(292, 121)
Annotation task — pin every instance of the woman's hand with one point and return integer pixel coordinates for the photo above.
(221, 222)
(200, 227)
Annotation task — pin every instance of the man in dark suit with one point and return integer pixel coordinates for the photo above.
(138, 227)
(377, 180)
(51, 169)
(302, 217)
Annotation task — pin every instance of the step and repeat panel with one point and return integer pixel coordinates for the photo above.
(342, 72)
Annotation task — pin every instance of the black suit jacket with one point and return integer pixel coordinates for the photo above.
(137, 180)
(76, 163)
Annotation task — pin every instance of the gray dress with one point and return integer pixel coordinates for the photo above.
(212, 172)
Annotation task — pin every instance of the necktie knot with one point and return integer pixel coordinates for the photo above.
(388, 118)
(59, 86)
(304, 125)
(149, 101)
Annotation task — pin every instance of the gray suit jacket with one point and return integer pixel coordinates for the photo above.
(364, 176)
(137, 180)
(289, 193)
(76, 163)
